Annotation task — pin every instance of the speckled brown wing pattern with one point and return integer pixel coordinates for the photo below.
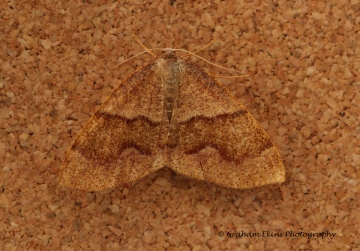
(171, 113)
(119, 142)
(219, 140)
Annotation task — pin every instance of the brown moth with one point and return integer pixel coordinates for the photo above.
(173, 114)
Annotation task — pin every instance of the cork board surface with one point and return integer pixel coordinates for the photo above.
(58, 64)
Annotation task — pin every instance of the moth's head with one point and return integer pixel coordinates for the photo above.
(168, 53)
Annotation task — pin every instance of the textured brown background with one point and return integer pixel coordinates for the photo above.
(58, 62)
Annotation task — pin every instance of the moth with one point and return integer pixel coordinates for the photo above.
(173, 114)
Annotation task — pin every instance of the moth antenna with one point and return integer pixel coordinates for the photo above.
(201, 48)
(142, 45)
(207, 61)
(229, 77)
(130, 58)
(147, 50)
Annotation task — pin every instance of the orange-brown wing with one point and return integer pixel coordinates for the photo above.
(219, 140)
(119, 142)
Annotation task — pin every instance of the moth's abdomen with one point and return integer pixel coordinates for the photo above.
(171, 81)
